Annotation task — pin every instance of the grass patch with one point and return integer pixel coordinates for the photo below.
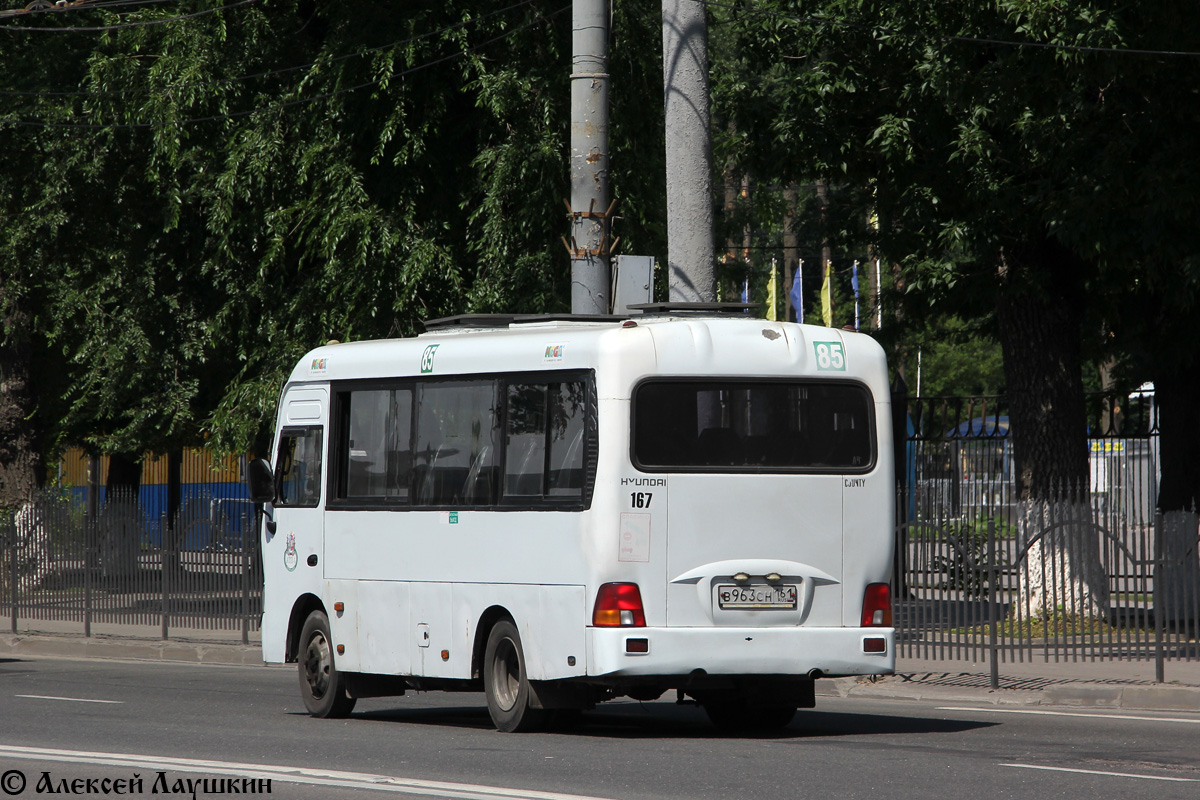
(1055, 625)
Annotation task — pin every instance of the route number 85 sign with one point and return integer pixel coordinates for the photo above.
(830, 356)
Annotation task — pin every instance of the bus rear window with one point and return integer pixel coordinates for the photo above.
(752, 426)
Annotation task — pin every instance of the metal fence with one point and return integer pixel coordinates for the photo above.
(978, 575)
(121, 565)
(1096, 575)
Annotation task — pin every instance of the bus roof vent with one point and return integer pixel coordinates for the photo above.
(706, 309)
(471, 321)
(505, 320)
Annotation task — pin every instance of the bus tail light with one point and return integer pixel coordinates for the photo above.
(877, 606)
(619, 605)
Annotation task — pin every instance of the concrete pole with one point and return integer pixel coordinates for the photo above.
(691, 267)
(591, 284)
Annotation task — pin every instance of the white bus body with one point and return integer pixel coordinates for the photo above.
(469, 509)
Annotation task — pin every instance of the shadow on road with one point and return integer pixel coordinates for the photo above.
(667, 721)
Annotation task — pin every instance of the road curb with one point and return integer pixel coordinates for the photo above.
(1147, 698)
(120, 648)
(1066, 693)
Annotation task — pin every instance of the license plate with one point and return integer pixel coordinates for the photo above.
(730, 596)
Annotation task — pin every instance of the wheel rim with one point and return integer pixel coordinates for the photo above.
(317, 665)
(506, 675)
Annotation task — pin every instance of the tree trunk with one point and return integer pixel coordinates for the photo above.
(1177, 579)
(121, 522)
(21, 470)
(1038, 312)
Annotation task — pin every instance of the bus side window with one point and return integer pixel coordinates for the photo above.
(375, 444)
(545, 441)
(298, 467)
(457, 438)
(525, 437)
(567, 425)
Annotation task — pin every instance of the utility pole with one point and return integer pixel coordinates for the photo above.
(691, 264)
(590, 208)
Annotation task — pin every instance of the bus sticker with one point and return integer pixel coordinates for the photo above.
(427, 358)
(290, 558)
(830, 356)
(635, 537)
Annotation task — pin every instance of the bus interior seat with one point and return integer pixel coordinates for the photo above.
(788, 449)
(523, 477)
(479, 480)
(721, 446)
(399, 472)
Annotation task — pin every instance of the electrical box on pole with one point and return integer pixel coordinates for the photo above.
(634, 282)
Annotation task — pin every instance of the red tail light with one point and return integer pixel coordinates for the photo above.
(877, 606)
(619, 605)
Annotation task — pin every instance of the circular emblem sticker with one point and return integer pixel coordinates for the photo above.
(290, 557)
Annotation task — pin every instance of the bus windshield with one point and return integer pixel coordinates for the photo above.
(752, 426)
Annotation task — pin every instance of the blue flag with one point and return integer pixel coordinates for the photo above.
(797, 292)
(854, 285)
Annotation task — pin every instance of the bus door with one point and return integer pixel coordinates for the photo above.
(291, 564)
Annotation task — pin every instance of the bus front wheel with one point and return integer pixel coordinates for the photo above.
(506, 682)
(321, 685)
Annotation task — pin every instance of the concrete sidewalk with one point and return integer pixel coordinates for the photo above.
(1089, 684)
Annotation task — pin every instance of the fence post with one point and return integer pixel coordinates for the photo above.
(12, 538)
(1160, 600)
(993, 616)
(89, 538)
(900, 442)
(246, 553)
(165, 558)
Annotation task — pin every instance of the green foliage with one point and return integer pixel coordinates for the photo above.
(970, 146)
(959, 358)
(967, 566)
(1055, 624)
(237, 187)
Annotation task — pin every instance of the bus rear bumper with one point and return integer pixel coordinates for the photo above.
(801, 651)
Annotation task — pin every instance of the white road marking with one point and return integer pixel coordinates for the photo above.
(1187, 721)
(302, 775)
(70, 699)
(1106, 774)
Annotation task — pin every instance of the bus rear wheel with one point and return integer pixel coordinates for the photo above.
(506, 682)
(321, 685)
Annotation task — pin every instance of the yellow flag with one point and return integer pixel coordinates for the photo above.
(771, 294)
(826, 298)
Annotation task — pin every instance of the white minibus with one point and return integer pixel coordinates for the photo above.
(561, 510)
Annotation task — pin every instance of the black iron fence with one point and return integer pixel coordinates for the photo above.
(1096, 575)
(979, 575)
(122, 565)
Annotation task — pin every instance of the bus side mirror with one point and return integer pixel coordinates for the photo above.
(261, 481)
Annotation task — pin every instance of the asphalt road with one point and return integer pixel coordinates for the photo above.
(63, 722)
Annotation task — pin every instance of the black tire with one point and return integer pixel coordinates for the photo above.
(733, 715)
(321, 685)
(506, 684)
